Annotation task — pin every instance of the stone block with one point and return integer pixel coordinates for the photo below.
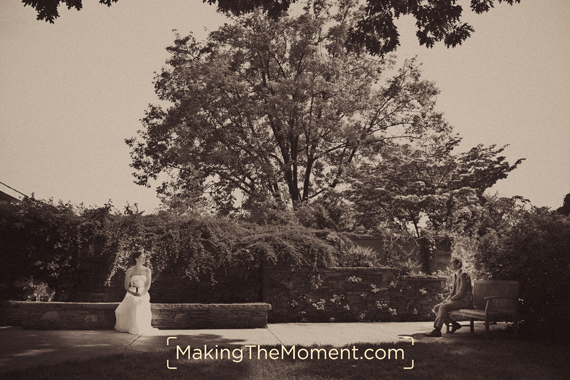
(84, 315)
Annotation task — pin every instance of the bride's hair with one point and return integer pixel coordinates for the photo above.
(135, 255)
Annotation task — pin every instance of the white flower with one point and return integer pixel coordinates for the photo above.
(137, 282)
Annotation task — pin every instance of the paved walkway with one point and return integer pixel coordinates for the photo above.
(21, 348)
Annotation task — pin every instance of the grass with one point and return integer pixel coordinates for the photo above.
(470, 359)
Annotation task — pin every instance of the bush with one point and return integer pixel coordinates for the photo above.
(48, 243)
(358, 256)
(35, 290)
(534, 250)
(75, 251)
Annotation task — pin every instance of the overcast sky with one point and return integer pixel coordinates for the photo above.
(71, 92)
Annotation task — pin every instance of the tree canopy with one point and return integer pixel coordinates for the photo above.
(278, 110)
(436, 20)
(427, 179)
(565, 209)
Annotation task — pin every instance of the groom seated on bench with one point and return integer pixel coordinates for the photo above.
(460, 298)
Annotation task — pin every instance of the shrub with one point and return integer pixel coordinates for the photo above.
(410, 267)
(35, 290)
(47, 242)
(534, 250)
(75, 251)
(358, 256)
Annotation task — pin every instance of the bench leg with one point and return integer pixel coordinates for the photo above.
(486, 328)
(472, 324)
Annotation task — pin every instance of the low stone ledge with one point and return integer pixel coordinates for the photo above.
(10, 313)
(101, 315)
(202, 316)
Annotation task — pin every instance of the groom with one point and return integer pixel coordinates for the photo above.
(459, 298)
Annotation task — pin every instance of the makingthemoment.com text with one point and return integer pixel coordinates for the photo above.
(257, 352)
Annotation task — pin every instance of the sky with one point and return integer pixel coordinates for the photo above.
(71, 93)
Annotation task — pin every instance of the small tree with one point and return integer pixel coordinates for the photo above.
(426, 179)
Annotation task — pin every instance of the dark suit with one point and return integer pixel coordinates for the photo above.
(460, 298)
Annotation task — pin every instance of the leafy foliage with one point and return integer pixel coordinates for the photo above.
(276, 111)
(565, 209)
(426, 179)
(330, 211)
(34, 290)
(46, 242)
(410, 267)
(47, 9)
(436, 20)
(530, 245)
(73, 251)
(358, 256)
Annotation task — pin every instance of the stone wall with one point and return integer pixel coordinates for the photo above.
(232, 285)
(212, 316)
(348, 294)
(10, 313)
(101, 315)
(288, 293)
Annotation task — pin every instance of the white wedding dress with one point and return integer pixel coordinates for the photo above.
(133, 314)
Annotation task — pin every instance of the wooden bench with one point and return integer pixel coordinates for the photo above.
(492, 301)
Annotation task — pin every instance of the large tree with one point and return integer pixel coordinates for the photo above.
(276, 110)
(427, 179)
(436, 20)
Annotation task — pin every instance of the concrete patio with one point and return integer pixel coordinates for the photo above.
(22, 348)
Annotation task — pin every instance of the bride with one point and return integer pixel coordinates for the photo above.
(133, 314)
